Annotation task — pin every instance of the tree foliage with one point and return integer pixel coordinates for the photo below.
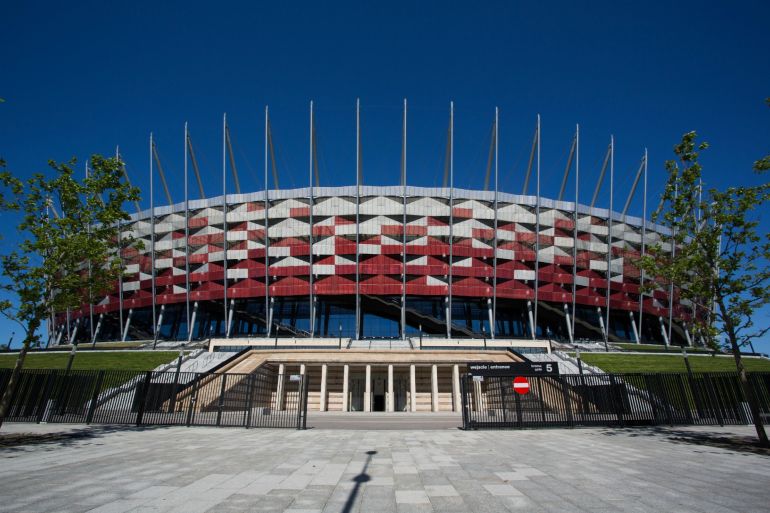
(721, 262)
(721, 258)
(67, 240)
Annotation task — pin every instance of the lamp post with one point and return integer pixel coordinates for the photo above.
(419, 327)
(686, 362)
(580, 362)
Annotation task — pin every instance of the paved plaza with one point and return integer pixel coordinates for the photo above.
(177, 469)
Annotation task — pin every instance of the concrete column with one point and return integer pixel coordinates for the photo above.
(368, 389)
(324, 370)
(412, 389)
(390, 405)
(434, 386)
(345, 377)
(662, 331)
(279, 390)
(633, 327)
(601, 322)
(458, 399)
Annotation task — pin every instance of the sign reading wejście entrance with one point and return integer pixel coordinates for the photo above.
(513, 369)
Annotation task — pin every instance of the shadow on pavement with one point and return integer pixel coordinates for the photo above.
(17, 441)
(363, 477)
(729, 441)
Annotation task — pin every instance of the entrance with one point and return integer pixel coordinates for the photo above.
(379, 391)
(379, 386)
(357, 387)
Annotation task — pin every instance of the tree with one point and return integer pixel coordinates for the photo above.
(67, 253)
(721, 260)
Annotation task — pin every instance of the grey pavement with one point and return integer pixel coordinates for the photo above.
(381, 420)
(176, 469)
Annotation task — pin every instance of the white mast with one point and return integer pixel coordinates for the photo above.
(493, 325)
(186, 236)
(537, 231)
(451, 213)
(152, 247)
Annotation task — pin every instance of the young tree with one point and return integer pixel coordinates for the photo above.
(721, 259)
(67, 251)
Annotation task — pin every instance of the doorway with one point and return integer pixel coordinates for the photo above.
(379, 386)
(399, 391)
(357, 386)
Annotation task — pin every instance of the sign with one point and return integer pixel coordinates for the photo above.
(295, 377)
(513, 369)
(521, 385)
(478, 378)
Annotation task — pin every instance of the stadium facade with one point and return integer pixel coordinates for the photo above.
(387, 262)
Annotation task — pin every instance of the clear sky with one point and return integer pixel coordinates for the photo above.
(82, 77)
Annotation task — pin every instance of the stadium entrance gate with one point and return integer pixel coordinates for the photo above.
(505, 401)
(258, 399)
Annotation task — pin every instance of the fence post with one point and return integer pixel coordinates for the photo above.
(567, 400)
(464, 401)
(300, 390)
(501, 387)
(304, 403)
(193, 400)
(584, 397)
(46, 395)
(540, 396)
(221, 399)
(143, 397)
(174, 388)
(95, 397)
(249, 400)
(614, 399)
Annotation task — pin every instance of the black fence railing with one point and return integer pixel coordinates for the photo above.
(260, 399)
(611, 400)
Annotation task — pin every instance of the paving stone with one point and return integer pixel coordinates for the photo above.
(209, 469)
(502, 489)
(441, 491)
(412, 497)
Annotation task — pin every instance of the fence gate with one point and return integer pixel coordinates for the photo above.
(609, 400)
(260, 399)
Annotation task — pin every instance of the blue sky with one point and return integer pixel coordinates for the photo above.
(81, 78)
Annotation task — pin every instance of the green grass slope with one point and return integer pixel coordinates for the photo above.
(619, 362)
(118, 360)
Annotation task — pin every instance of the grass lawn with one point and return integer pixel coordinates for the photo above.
(618, 362)
(656, 348)
(122, 360)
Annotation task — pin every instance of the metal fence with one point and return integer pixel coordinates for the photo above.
(612, 400)
(260, 399)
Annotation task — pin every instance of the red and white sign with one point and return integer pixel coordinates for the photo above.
(521, 385)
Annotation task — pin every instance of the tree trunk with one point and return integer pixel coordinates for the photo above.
(748, 391)
(5, 402)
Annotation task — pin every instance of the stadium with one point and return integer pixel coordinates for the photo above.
(386, 288)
